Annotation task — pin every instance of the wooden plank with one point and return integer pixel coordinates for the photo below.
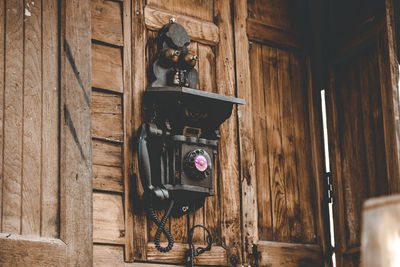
(107, 126)
(139, 82)
(204, 9)
(75, 134)
(107, 68)
(247, 131)
(16, 250)
(2, 90)
(107, 103)
(276, 254)
(106, 19)
(32, 124)
(263, 193)
(379, 232)
(290, 181)
(13, 118)
(107, 178)
(108, 218)
(274, 137)
(106, 154)
(217, 256)
(50, 113)
(228, 148)
(389, 77)
(259, 32)
(198, 30)
(107, 255)
(304, 229)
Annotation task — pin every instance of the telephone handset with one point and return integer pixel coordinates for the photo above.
(178, 142)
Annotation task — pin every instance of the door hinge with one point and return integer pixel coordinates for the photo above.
(254, 256)
(330, 186)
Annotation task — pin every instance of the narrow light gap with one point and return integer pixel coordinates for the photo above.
(328, 169)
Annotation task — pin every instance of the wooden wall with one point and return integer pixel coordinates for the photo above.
(29, 115)
(110, 110)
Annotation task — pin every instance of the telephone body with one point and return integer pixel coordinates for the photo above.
(178, 142)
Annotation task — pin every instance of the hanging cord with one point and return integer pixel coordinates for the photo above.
(193, 251)
(161, 228)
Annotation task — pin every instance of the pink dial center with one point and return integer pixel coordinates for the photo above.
(201, 163)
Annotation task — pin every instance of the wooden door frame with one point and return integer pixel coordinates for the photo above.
(74, 246)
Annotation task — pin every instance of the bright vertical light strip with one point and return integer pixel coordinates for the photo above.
(328, 169)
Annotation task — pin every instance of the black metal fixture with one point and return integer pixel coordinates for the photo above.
(178, 143)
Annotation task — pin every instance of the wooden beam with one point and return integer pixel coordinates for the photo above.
(275, 254)
(75, 133)
(29, 251)
(216, 257)
(246, 130)
(228, 147)
(263, 33)
(139, 39)
(198, 30)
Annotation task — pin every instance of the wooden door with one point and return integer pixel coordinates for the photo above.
(209, 26)
(283, 197)
(363, 110)
(45, 152)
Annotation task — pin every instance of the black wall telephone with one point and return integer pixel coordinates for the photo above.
(178, 143)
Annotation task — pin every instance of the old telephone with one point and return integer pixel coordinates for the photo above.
(178, 142)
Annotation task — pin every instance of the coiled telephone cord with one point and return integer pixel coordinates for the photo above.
(161, 228)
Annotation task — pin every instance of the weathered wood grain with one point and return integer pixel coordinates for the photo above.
(303, 228)
(75, 133)
(198, 30)
(107, 178)
(139, 82)
(108, 218)
(107, 103)
(127, 167)
(248, 131)
(228, 148)
(50, 120)
(106, 19)
(106, 154)
(274, 136)
(107, 126)
(32, 122)
(107, 70)
(17, 250)
(107, 255)
(13, 118)
(259, 32)
(204, 8)
(217, 255)
(263, 194)
(2, 89)
(277, 254)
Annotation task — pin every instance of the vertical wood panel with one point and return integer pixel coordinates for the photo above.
(31, 183)
(2, 89)
(75, 130)
(260, 140)
(228, 147)
(50, 115)
(274, 137)
(305, 230)
(13, 115)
